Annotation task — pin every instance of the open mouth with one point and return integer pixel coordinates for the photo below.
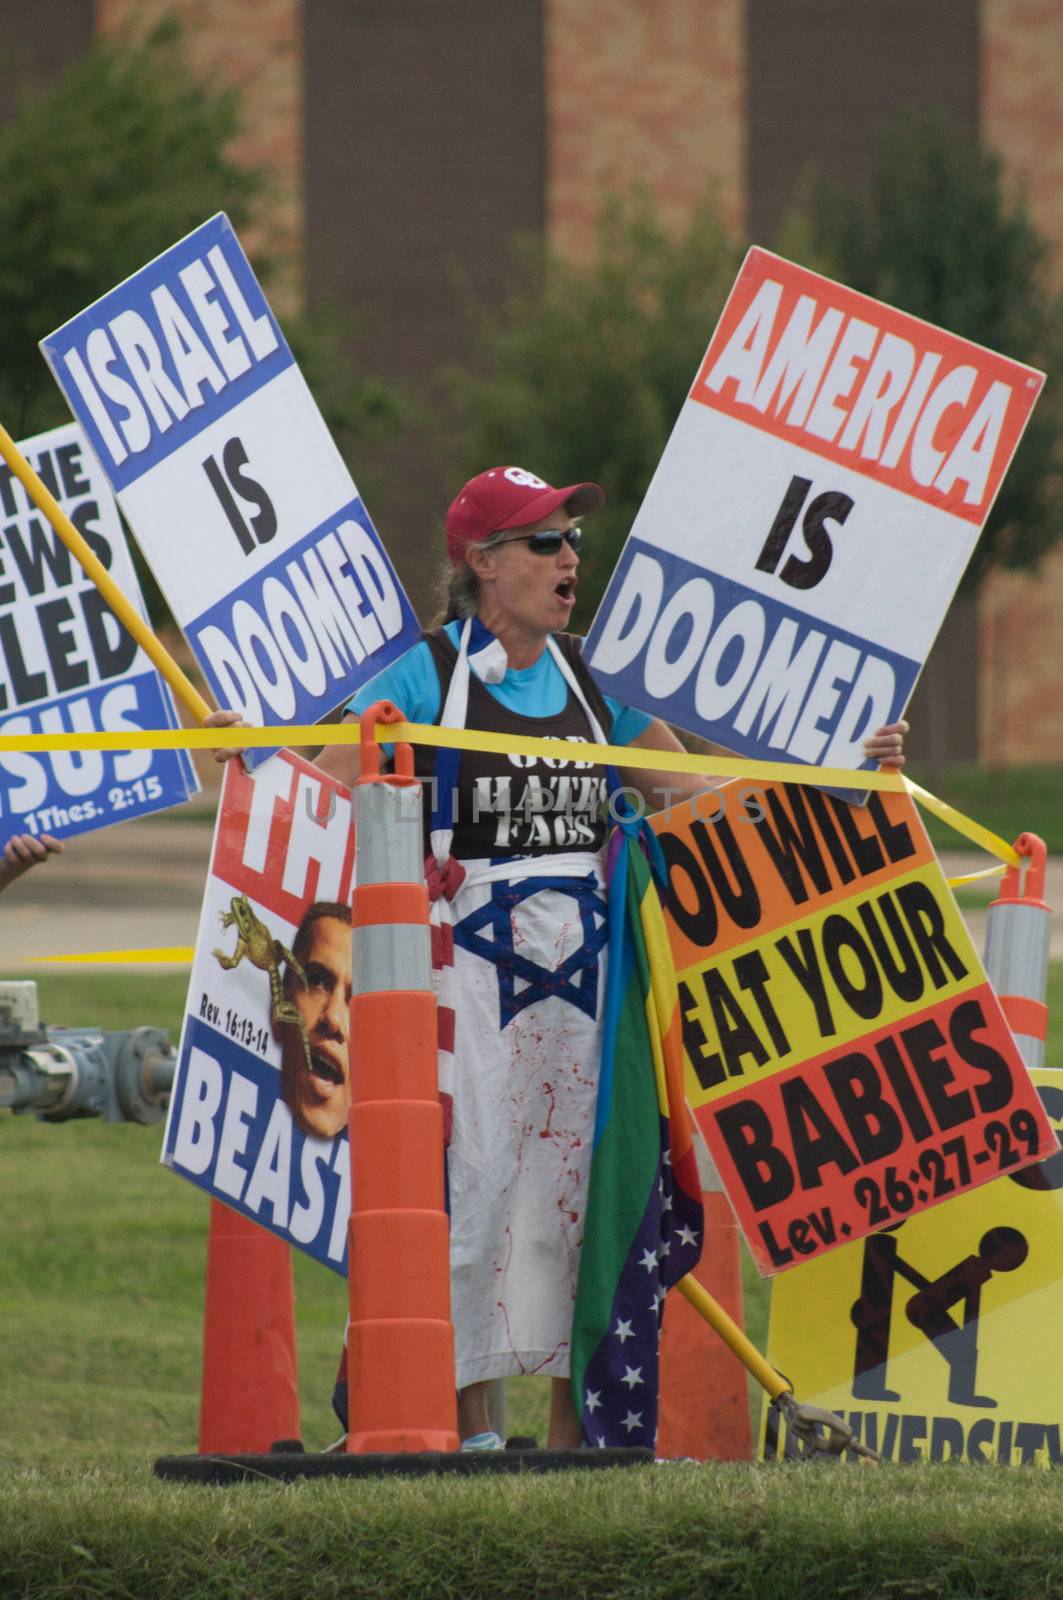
(322, 1067)
(566, 589)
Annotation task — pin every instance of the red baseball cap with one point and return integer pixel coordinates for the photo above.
(510, 497)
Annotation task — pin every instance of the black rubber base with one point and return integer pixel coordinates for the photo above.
(463, 1464)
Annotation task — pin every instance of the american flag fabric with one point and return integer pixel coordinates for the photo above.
(644, 1220)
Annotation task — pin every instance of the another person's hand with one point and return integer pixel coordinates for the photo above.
(225, 719)
(25, 850)
(886, 745)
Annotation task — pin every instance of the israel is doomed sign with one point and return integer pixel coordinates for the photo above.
(809, 520)
(238, 497)
(847, 1059)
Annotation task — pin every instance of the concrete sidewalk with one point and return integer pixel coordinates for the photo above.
(132, 887)
(140, 885)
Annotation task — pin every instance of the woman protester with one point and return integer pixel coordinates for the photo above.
(515, 866)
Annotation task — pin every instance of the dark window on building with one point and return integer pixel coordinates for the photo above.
(40, 38)
(823, 74)
(424, 153)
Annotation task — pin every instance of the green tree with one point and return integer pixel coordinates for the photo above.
(582, 371)
(123, 154)
(118, 158)
(937, 233)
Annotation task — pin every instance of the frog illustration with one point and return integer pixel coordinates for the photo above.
(255, 942)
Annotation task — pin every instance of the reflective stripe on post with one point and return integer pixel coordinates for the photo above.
(400, 1344)
(1018, 932)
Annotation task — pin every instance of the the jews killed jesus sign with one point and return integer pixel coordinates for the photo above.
(66, 663)
(230, 480)
(258, 1116)
(809, 520)
(847, 1060)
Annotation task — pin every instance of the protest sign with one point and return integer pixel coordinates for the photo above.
(809, 520)
(227, 474)
(847, 1059)
(916, 1336)
(258, 1115)
(68, 665)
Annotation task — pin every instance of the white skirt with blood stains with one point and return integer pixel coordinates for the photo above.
(527, 989)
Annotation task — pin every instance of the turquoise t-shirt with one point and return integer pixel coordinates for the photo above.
(412, 684)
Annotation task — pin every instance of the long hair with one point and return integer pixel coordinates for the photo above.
(458, 587)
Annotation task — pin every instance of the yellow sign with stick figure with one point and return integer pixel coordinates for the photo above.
(916, 1335)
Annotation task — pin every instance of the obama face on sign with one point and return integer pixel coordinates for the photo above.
(315, 1063)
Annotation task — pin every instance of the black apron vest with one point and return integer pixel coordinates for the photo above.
(520, 805)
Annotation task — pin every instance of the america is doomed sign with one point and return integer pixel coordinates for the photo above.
(240, 501)
(809, 520)
(913, 1335)
(847, 1059)
(258, 1115)
(66, 663)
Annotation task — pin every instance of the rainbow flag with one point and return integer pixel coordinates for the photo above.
(644, 1221)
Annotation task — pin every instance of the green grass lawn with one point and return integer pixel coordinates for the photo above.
(106, 1238)
(1010, 800)
(677, 1533)
(101, 1273)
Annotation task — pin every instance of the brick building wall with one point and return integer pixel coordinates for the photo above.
(679, 96)
(256, 46)
(1022, 100)
(1021, 618)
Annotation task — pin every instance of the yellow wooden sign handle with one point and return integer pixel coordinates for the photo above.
(706, 1306)
(130, 618)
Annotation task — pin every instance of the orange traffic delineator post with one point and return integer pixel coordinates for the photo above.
(400, 1343)
(249, 1399)
(704, 1397)
(1018, 934)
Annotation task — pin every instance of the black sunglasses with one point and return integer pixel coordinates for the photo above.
(547, 542)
